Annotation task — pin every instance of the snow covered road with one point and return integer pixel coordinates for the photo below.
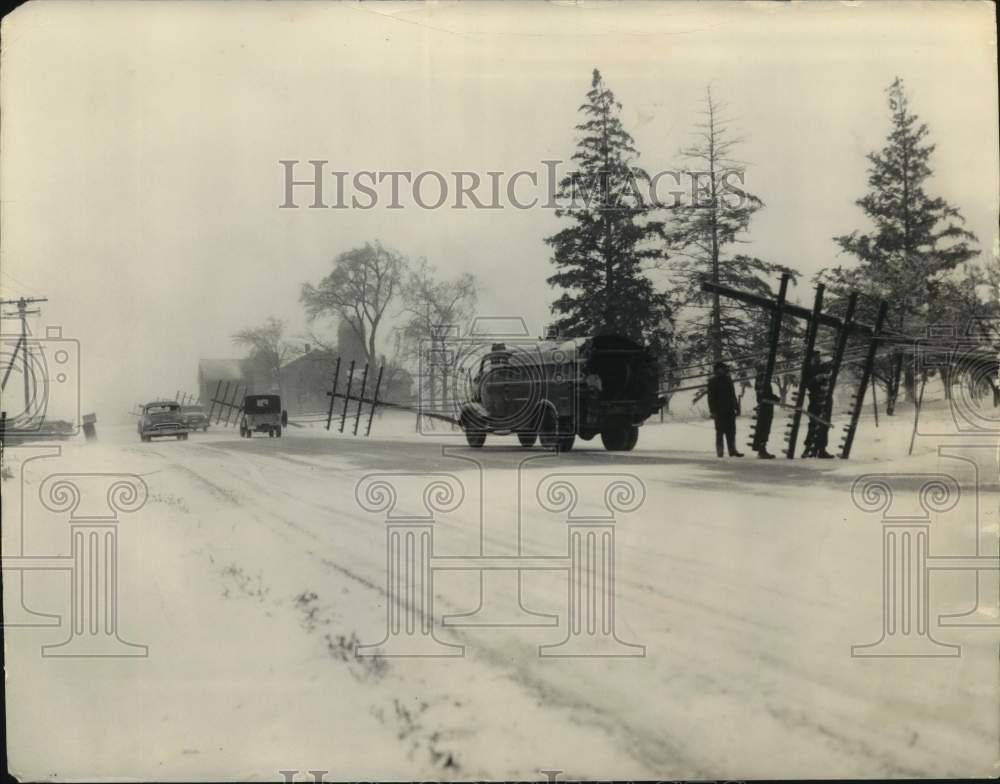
(252, 573)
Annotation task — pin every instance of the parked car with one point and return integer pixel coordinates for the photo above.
(162, 418)
(262, 414)
(195, 417)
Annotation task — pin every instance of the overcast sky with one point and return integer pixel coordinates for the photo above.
(140, 180)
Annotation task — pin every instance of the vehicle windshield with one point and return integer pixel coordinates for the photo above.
(161, 408)
(192, 409)
(262, 404)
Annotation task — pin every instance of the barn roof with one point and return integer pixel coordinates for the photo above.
(316, 355)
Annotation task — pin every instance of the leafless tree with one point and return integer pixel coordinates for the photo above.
(268, 348)
(363, 283)
(435, 310)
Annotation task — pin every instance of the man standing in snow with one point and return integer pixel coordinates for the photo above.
(817, 433)
(765, 412)
(724, 408)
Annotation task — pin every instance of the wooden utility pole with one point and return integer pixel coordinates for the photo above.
(361, 397)
(866, 374)
(799, 401)
(772, 350)
(371, 411)
(838, 353)
(777, 313)
(211, 410)
(22, 343)
(347, 397)
(333, 394)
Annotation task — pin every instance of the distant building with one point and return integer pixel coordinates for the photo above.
(350, 345)
(306, 379)
(212, 372)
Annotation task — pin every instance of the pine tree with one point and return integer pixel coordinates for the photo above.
(701, 232)
(917, 239)
(603, 256)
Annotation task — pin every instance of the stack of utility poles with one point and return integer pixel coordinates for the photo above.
(360, 398)
(777, 306)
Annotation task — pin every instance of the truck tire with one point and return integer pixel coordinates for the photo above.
(548, 428)
(475, 434)
(277, 432)
(527, 439)
(619, 436)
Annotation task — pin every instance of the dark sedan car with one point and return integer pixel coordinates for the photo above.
(162, 419)
(195, 417)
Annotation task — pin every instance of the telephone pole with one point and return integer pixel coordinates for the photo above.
(22, 342)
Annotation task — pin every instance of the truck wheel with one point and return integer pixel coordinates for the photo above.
(566, 441)
(615, 436)
(527, 439)
(475, 435)
(277, 432)
(475, 438)
(632, 437)
(270, 432)
(548, 429)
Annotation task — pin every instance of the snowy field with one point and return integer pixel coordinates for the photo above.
(252, 572)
